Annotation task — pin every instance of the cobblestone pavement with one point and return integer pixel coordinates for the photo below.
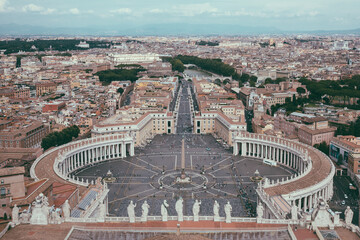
(227, 177)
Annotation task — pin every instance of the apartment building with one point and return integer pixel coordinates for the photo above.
(23, 134)
(47, 87)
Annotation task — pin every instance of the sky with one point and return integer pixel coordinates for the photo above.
(302, 15)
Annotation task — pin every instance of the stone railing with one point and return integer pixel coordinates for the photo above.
(267, 199)
(99, 199)
(2, 233)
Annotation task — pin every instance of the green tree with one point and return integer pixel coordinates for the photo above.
(253, 78)
(177, 65)
(300, 91)
(120, 90)
(252, 83)
(244, 77)
(268, 81)
(323, 147)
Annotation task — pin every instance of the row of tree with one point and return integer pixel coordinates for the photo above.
(107, 76)
(59, 138)
(14, 46)
(352, 129)
(349, 88)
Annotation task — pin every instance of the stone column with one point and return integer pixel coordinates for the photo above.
(310, 201)
(123, 150)
(299, 204)
(235, 150)
(273, 154)
(266, 152)
(305, 203)
(243, 148)
(132, 151)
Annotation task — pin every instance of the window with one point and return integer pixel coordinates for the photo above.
(2, 181)
(3, 205)
(3, 191)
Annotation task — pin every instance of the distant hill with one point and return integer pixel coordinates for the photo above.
(156, 29)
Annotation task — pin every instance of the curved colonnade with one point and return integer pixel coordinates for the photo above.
(75, 155)
(313, 178)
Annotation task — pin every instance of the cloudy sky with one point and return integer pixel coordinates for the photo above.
(281, 14)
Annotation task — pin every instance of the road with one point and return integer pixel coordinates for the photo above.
(184, 113)
(341, 187)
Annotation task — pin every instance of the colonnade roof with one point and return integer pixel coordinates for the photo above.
(44, 169)
(321, 168)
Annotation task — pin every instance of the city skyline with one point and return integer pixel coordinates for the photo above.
(120, 16)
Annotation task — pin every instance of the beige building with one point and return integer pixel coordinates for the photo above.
(140, 126)
(11, 186)
(315, 131)
(349, 149)
(42, 88)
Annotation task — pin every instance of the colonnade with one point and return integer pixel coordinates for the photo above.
(272, 152)
(93, 153)
(293, 155)
(310, 200)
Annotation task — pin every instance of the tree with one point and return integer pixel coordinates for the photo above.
(252, 83)
(244, 77)
(253, 78)
(268, 112)
(300, 90)
(120, 90)
(323, 147)
(177, 65)
(340, 159)
(268, 81)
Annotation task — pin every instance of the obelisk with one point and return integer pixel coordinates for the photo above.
(183, 158)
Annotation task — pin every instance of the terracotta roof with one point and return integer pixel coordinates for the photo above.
(35, 189)
(321, 168)
(317, 131)
(11, 171)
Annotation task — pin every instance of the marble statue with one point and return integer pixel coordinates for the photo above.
(15, 215)
(40, 210)
(179, 209)
(228, 210)
(131, 211)
(216, 211)
(25, 215)
(196, 210)
(102, 212)
(145, 211)
(294, 212)
(164, 211)
(348, 215)
(57, 219)
(66, 210)
(260, 211)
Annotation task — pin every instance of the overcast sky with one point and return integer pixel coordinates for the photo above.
(282, 14)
